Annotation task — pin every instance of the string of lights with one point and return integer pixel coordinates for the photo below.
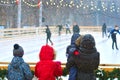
(91, 6)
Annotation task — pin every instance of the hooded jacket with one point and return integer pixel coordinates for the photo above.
(46, 68)
(87, 60)
(19, 70)
(72, 47)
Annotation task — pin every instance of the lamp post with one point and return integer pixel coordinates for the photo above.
(40, 13)
(18, 2)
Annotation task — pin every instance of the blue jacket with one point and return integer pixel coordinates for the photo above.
(69, 51)
(19, 70)
(113, 33)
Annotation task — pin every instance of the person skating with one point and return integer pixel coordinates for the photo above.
(59, 29)
(104, 33)
(113, 36)
(48, 32)
(76, 28)
(67, 28)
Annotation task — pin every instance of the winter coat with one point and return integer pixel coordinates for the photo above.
(76, 29)
(48, 32)
(72, 47)
(19, 70)
(104, 28)
(113, 34)
(86, 60)
(69, 51)
(46, 68)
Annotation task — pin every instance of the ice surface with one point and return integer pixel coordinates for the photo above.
(32, 45)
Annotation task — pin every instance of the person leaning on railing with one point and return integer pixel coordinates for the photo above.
(47, 68)
(18, 69)
(86, 59)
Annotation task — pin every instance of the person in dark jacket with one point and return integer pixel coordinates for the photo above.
(69, 51)
(18, 69)
(76, 28)
(59, 29)
(104, 29)
(86, 60)
(48, 32)
(113, 34)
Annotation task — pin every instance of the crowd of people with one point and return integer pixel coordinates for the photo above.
(82, 58)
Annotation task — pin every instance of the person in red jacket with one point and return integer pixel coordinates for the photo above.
(47, 68)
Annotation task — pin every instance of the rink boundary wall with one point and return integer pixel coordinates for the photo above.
(14, 32)
(106, 67)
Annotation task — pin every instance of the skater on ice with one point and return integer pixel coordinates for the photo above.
(48, 32)
(104, 33)
(113, 34)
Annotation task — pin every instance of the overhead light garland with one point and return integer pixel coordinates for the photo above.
(84, 4)
(7, 2)
(33, 5)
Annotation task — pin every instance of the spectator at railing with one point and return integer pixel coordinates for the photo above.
(46, 68)
(18, 69)
(86, 59)
(69, 51)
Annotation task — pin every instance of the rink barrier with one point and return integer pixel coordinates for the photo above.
(14, 32)
(106, 67)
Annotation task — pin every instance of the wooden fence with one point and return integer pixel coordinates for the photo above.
(14, 32)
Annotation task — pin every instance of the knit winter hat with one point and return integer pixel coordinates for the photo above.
(18, 50)
(87, 42)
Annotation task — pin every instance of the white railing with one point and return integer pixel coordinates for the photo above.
(12, 32)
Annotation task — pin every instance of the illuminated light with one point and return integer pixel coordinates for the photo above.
(71, 2)
(77, 6)
(33, 5)
(70, 6)
(84, 7)
(80, 5)
(47, 3)
(66, 4)
(92, 8)
(54, 4)
(95, 6)
(98, 9)
(87, 6)
(57, 6)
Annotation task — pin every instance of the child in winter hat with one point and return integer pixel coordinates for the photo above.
(18, 69)
(18, 50)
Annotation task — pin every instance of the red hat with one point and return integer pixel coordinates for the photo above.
(46, 53)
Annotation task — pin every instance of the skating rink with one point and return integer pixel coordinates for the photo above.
(32, 44)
